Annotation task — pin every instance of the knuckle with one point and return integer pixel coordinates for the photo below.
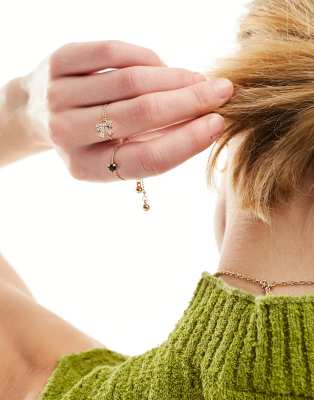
(153, 57)
(67, 46)
(146, 108)
(152, 162)
(113, 44)
(131, 80)
(109, 49)
(57, 130)
(77, 171)
(54, 63)
(58, 57)
(53, 97)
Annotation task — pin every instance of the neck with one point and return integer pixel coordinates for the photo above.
(280, 252)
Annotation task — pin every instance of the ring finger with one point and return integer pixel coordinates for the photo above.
(171, 147)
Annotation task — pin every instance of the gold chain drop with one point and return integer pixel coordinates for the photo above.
(266, 285)
(141, 189)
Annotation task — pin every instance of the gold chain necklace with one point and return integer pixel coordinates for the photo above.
(266, 285)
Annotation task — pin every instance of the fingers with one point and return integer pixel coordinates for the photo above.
(121, 84)
(173, 146)
(145, 113)
(87, 57)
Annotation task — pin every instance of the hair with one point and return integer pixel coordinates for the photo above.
(273, 104)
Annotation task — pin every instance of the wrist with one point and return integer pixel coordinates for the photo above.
(20, 134)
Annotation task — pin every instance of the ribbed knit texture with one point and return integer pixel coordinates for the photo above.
(228, 344)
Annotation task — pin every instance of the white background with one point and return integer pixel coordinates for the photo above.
(87, 250)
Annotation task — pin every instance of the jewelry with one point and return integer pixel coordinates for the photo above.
(266, 285)
(105, 126)
(140, 189)
(113, 166)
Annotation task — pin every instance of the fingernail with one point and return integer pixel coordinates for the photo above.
(162, 62)
(199, 77)
(223, 87)
(216, 125)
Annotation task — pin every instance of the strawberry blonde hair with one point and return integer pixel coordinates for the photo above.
(273, 75)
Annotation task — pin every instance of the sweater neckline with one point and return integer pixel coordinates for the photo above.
(228, 343)
(228, 289)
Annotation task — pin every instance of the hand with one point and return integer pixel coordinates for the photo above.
(162, 114)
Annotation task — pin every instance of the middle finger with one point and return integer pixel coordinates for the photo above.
(120, 84)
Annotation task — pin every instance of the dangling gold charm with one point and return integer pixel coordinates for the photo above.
(146, 206)
(140, 189)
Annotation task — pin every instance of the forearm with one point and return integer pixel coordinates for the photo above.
(19, 131)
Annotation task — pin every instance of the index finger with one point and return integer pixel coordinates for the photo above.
(88, 57)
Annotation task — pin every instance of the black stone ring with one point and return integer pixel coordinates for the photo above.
(113, 166)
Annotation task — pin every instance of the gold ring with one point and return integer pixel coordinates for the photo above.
(105, 126)
(113, 166)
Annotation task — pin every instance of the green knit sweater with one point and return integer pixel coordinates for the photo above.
(229, 344)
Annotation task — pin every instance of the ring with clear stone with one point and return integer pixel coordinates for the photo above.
(104, 127)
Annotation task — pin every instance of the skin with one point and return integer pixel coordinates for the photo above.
(282, 252)
(56, 107)
(141, 102)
